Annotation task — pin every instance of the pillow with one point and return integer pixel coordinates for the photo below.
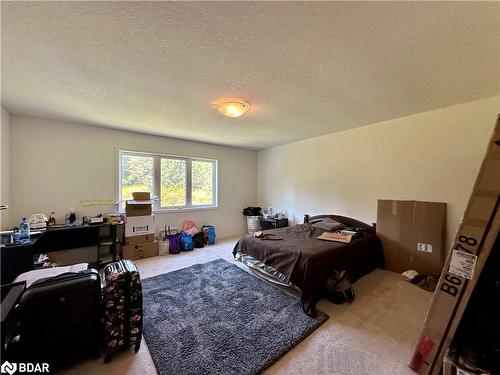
(329, 224)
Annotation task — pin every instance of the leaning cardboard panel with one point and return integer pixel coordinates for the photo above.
(475, 237)
(413, 235)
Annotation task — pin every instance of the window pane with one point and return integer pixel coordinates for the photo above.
(202, 189)
(137, 175)
(173, 182)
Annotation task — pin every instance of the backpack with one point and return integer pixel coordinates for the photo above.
(338, 288)
(209, 232)
(186, 242)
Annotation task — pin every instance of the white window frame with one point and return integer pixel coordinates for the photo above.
(156, 193)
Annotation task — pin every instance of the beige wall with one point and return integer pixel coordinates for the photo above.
(4, 166)
(54, 165)
(431, 156)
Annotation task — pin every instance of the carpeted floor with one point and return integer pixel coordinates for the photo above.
(375, 334)
(215, 318)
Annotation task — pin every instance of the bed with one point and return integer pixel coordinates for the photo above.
(302, 262)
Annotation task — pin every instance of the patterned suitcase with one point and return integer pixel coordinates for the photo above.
(122, 297)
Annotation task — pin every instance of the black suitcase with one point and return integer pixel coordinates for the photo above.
(60, 319)
(122, 297)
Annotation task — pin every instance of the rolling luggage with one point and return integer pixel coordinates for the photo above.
(60, 319)
(122, 298)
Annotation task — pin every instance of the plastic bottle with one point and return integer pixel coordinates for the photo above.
(72, 216)
(52, 219)
(24, 229)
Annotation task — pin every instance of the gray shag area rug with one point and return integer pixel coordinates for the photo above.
(215, 318)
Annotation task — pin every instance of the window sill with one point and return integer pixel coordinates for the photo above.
(177, 210)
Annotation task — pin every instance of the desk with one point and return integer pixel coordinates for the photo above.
(17, 258)
(273, 223)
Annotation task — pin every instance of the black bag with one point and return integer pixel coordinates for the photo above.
(252, 211)
(122, 297)
(199, 240)
(338, 288)
(60, 319)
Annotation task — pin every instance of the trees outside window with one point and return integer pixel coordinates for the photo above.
(175, 182)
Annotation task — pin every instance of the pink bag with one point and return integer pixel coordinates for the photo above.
(189, 227)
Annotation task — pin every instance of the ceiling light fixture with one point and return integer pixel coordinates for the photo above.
(233, 107)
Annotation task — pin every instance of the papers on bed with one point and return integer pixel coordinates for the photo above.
(335, 237)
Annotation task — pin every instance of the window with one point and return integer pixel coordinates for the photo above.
(136, 174)
(175, 182)
(201, 182)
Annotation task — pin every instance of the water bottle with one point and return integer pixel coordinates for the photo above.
(24, 229)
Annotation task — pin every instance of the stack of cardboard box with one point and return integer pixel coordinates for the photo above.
(139, 228)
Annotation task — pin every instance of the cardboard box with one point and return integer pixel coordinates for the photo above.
(413, 235)
(143, 238)
(141, 195)
(139, 225)
(475, 238)
(140, 251)
(138, 208)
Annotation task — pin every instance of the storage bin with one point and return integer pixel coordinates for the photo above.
(253, 224)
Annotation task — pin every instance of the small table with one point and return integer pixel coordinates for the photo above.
(273, 223)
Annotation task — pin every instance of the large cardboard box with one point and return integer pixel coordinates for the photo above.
(139, 225)
(473, 243)
(140, 251)
(134, 240)
(413, 235)
(138, 208)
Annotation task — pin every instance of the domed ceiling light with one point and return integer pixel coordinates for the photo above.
(233, 107)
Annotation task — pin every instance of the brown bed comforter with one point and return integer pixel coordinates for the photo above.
(307, 261)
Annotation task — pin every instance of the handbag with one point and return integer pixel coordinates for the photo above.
(174, 241)
(338, 288)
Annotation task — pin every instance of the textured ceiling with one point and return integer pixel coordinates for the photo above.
(307, 68)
